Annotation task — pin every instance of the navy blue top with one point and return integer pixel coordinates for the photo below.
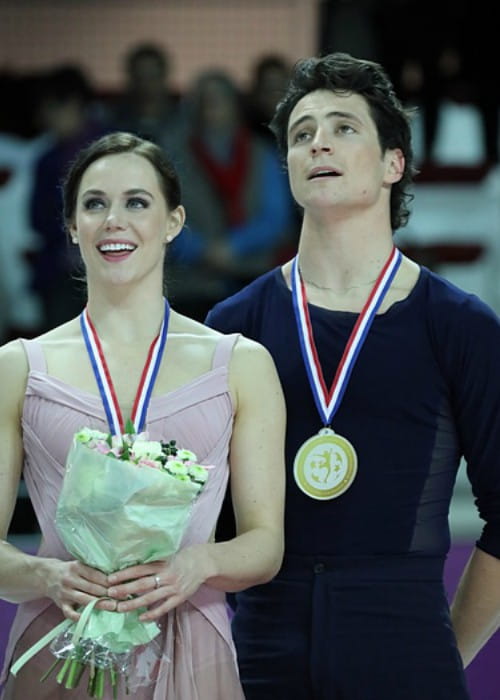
(425, 390)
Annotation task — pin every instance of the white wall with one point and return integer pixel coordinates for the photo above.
(197, 33)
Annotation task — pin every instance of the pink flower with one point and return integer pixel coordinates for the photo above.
(149, 463)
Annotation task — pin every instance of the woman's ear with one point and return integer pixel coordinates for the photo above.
(176, 220)
(72, 232)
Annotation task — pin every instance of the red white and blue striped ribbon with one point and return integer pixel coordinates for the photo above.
(105, 383)
(328, 401)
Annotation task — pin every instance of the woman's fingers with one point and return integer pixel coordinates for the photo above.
(69, 612)
(158, 601)
(137, 587)
(76, 585)
(92, 575)
(134, 572)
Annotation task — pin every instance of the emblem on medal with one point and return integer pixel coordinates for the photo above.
(325, 465)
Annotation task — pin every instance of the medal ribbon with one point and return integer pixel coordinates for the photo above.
(328, 401)
(105, 383)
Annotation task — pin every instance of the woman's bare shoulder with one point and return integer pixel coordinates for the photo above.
(64, 333)
(190, 331)
(13, 371)
(183, 325)
(13, 358)
(249, 353)
(12, 355)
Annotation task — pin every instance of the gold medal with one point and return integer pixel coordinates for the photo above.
(325, 465)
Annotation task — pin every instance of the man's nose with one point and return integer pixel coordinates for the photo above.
(322, 142)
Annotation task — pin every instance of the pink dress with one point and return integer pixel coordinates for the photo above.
(199, 659)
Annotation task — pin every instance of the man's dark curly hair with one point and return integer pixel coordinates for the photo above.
(344, 74)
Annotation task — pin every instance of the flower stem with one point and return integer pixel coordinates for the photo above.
(99, 684)
(64, 669)
(91, 683)
(74, 675)
(49, 670)
(114, 682)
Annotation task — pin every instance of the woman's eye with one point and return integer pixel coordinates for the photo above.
(137, 203)
(93, 203)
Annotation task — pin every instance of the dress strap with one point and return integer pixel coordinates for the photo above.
(34, 353)
(223, 350)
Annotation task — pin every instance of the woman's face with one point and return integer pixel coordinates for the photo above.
(122, 221)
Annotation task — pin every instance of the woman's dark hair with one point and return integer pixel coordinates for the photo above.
(344, 74)
(113, 144)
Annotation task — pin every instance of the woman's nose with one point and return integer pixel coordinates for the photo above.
(114, 220)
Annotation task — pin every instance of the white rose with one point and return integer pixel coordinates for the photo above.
(117, 442)
(186, 456)
(177, 468)
(198, 473)
(142, 449)
(87, 435)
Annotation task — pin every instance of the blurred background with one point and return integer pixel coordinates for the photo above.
(202, 78)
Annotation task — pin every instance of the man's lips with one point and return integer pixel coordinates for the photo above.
(323, 172)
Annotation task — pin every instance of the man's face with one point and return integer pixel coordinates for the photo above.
(334, 155)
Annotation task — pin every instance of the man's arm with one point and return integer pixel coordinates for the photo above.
(475, 610)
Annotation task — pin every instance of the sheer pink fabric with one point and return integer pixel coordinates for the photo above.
(199, 659)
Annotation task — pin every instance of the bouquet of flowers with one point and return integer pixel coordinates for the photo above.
(125, 500)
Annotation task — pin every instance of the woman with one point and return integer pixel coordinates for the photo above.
(122, 208)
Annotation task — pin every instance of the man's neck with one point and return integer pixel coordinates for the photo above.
(343, 260)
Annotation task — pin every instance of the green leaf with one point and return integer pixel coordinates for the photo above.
(129, 427)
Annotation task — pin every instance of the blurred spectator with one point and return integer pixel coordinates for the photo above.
(66, 117)
(239, 209)
(270, 75)
(20, 310)
(458, 137)
(412, 61)
(148, 106)
(18, 104)
(437, 55)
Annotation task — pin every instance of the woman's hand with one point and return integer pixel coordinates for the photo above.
(160, 585)
(71, 585)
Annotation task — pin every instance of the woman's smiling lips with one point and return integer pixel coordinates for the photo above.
(116, 250)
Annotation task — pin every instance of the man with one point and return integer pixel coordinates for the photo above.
(358, 610)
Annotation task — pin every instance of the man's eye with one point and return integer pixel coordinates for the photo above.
(301, 136)
(347, 129)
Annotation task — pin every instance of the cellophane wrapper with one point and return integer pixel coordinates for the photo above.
(113, 514)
